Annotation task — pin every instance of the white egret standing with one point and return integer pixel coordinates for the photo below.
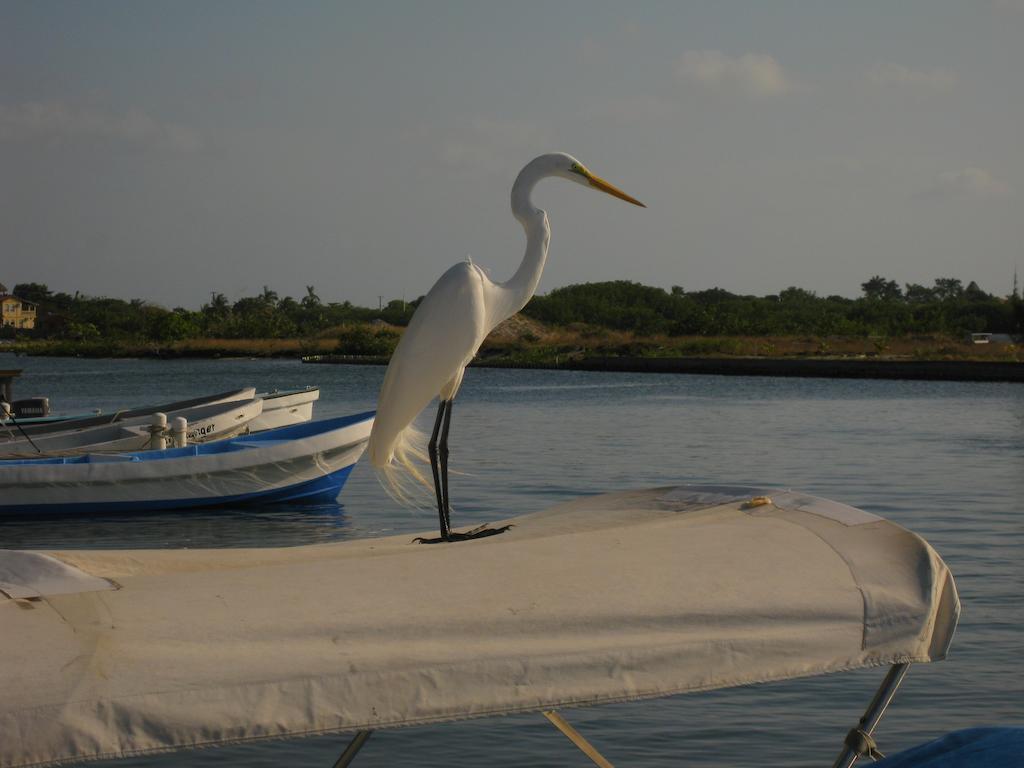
(444, 334)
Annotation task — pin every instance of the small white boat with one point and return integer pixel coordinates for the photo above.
(50, 424)
(204, 423)
(282, 408)
(304, 461)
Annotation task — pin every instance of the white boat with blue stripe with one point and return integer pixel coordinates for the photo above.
(303, 462)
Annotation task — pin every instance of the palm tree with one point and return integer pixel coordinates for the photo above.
(268, 297)
(218, 306)
(310, 300)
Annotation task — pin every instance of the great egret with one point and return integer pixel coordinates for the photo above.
(444, 334)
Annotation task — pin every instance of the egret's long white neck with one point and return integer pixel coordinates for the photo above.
(520, 288)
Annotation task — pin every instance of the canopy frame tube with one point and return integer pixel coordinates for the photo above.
(858, 741)
(352, 749)
(577, 739)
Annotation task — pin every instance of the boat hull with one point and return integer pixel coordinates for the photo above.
(133, 415)
(307, 462)
(282, 409)
(281, 417)
(321, 489)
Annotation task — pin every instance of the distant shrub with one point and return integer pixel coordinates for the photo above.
(362, 340)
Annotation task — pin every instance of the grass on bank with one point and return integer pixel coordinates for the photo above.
(524, 340)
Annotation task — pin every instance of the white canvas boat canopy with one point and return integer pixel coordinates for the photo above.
(604, 599)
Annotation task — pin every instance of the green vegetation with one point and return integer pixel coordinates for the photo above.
(883, 310)
(266, 316)
(613, 318)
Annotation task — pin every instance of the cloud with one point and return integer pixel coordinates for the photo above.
(495, 145)
(62, 122)
(970, 183)
(753, 74)
(922, 80)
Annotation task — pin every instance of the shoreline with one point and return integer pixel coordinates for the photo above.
(847, 367)
(830, 368)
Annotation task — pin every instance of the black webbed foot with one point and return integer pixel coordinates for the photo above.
(480, 532)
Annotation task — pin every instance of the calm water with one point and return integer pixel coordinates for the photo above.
(944, 459)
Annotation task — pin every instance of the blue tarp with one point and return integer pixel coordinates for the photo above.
(969, 748)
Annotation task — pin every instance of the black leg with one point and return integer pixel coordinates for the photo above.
(432, 450)
(443, 451)
(438, 450)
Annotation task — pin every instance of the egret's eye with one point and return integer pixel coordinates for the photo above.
(577, 168)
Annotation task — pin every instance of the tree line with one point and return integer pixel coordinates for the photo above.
(884, 308)
(264, 316)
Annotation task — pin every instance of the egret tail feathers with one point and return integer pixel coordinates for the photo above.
(403, 477)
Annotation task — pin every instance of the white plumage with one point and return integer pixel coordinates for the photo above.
(446, 331)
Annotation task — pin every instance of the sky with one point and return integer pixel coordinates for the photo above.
(167, 150)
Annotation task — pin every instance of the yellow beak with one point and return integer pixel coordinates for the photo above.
(598, 183)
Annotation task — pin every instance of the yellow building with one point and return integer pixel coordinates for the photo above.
(17, 312)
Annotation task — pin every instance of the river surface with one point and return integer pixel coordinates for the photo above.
(941, 458)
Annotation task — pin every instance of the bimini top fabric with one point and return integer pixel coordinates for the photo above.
(609, 598)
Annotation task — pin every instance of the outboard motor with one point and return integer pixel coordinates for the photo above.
(31, 407)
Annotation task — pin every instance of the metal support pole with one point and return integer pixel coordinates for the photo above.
(7, 415)
(872, 715)
(353, 748)
(574, 736)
